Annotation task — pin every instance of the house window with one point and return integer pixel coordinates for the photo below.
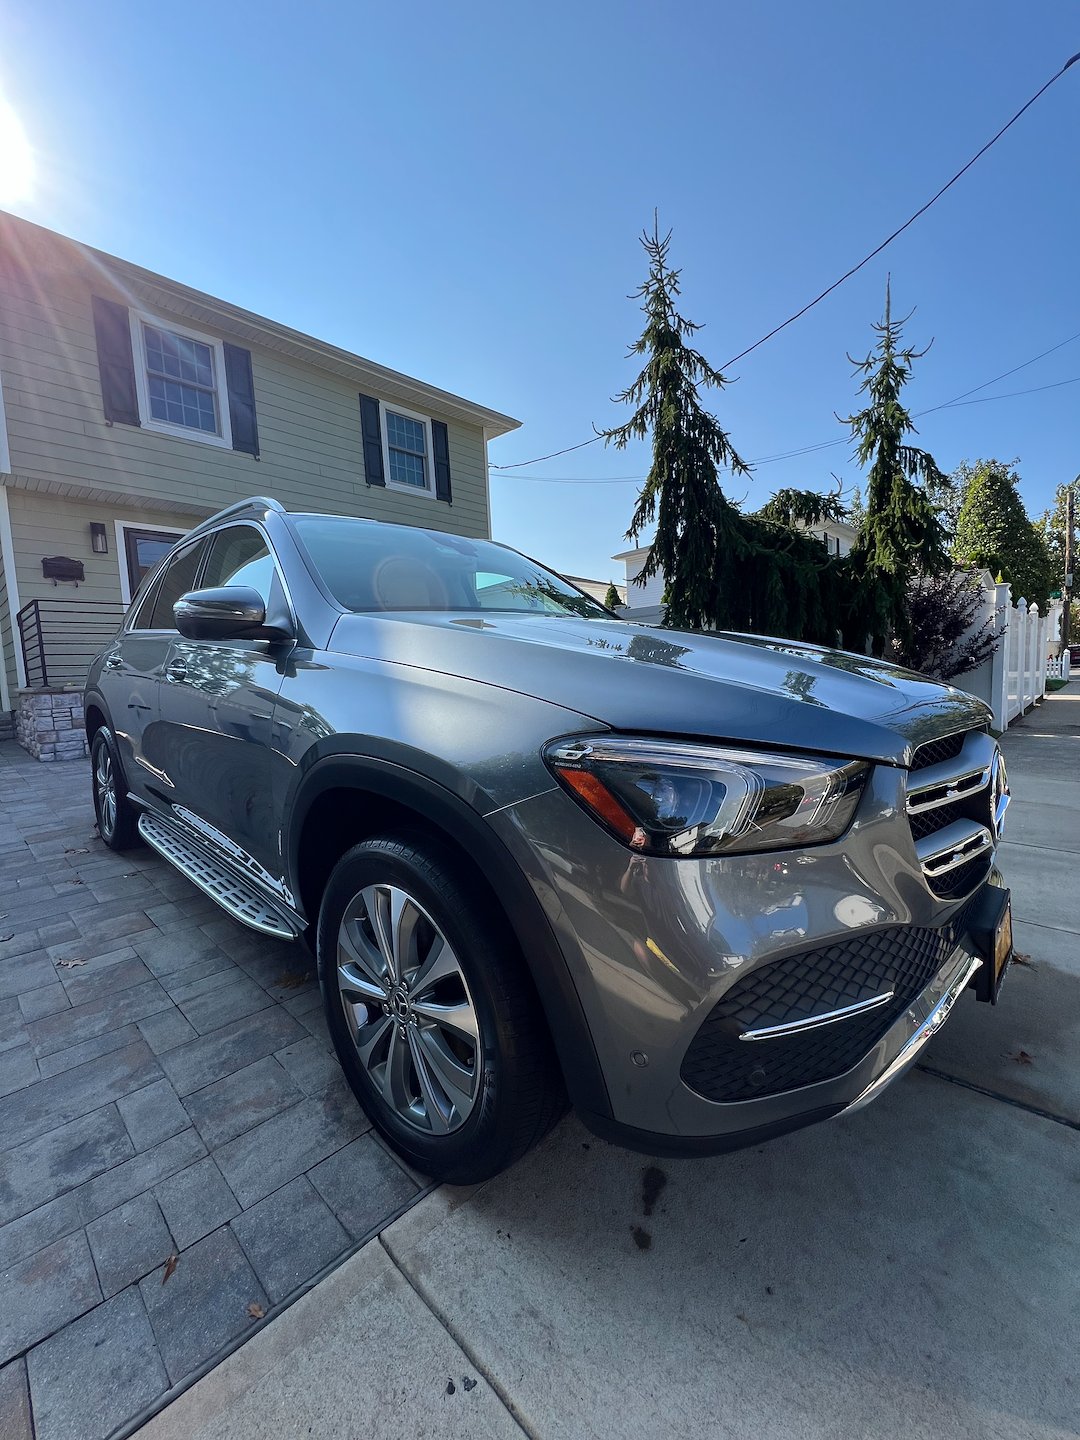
(408, 450)
(180, 380)
(140, 550)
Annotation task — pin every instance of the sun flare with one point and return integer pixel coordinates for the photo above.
(16, 158)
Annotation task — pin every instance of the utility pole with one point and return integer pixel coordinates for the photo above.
(1070, 522)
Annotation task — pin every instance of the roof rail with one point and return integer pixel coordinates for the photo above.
(254, 502)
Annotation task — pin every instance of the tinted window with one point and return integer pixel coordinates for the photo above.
(177, 577)
(367, 566)
(239, 556)
(143, 606)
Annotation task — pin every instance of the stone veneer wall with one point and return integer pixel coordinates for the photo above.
(49, 724)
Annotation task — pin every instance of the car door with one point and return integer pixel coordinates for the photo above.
(131, 672)
(217, 707)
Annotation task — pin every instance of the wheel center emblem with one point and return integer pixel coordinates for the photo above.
(399, 1004)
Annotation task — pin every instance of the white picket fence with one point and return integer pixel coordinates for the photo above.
(1014, 677)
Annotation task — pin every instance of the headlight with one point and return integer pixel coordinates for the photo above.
(671, 798)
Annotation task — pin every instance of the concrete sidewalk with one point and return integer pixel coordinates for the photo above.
(910, 1271)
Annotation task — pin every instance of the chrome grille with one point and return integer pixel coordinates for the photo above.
(952, 794)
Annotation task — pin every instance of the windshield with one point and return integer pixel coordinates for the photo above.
(367, 566)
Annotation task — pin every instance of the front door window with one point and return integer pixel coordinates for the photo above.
(143, 549)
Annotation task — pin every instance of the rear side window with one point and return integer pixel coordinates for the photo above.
(239, 556)
(177, 578)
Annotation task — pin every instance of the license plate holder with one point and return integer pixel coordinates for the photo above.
(990, 929)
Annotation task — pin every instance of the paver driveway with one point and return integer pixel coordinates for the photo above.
(166, 1090)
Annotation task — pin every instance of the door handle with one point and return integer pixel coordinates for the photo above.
(176, 671)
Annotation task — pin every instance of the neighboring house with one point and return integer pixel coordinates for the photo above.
(132, 406)
(644, 599)
(597, 588)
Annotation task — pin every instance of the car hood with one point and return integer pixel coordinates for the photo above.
(631, 677)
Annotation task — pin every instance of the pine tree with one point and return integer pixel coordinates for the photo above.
(697, 534)
(900, 536)
(612, 599)
(993, 531)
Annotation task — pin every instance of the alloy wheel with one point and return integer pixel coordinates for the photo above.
(408, 1009)
(105, 787)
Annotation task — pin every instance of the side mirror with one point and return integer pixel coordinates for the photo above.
(226, 612)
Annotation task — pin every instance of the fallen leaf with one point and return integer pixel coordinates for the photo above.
(170, 1266)
(468, 1383)
(1022, 1057)
(255, 1310)
(292, 979)
(4, 938)
(1019, 958)
(77, 850)
(69, 964)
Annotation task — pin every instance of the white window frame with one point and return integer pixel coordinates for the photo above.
(139, 318)
(126, 593)
(429, 458)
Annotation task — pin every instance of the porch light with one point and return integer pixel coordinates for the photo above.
(99, 540)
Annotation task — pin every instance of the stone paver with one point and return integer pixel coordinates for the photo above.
(128, 1242)
(15, 1423)
(97, 1373)
(165, 1085)
(204, 1304)
(196, 1201)
(289, 1236)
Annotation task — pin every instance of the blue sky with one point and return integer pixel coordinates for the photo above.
(456, 190)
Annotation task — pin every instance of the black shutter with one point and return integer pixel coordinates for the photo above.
(371, 429)
(440, 443)
(241, 387)
(112, 331)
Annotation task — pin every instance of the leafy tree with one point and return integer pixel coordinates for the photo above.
(612, 599)
(722, 569)
(941, 639)
(900, 535)
(993, 531)
(1051, 526)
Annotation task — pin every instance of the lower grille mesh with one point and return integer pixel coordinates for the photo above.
(902, 958)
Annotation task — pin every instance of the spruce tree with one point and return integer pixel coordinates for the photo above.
(900, 536)
(698, 540)
(722, 569)
(612, 599)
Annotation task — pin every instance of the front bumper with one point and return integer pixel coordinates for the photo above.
(894, 1054)
(654, 946)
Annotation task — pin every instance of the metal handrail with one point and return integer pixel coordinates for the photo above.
(59, 637)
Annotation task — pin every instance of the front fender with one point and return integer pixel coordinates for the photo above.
(447, 807)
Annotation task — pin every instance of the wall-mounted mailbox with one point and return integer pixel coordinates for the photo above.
(62, 567)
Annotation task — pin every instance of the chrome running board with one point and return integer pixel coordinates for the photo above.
(243, 899)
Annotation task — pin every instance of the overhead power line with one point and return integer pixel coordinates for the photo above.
(810, 304)
(908, 222)
(955, 403)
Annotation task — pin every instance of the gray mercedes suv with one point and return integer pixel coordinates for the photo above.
(710, 887)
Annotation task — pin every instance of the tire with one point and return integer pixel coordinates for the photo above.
(117, 818)
(451, 1060)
